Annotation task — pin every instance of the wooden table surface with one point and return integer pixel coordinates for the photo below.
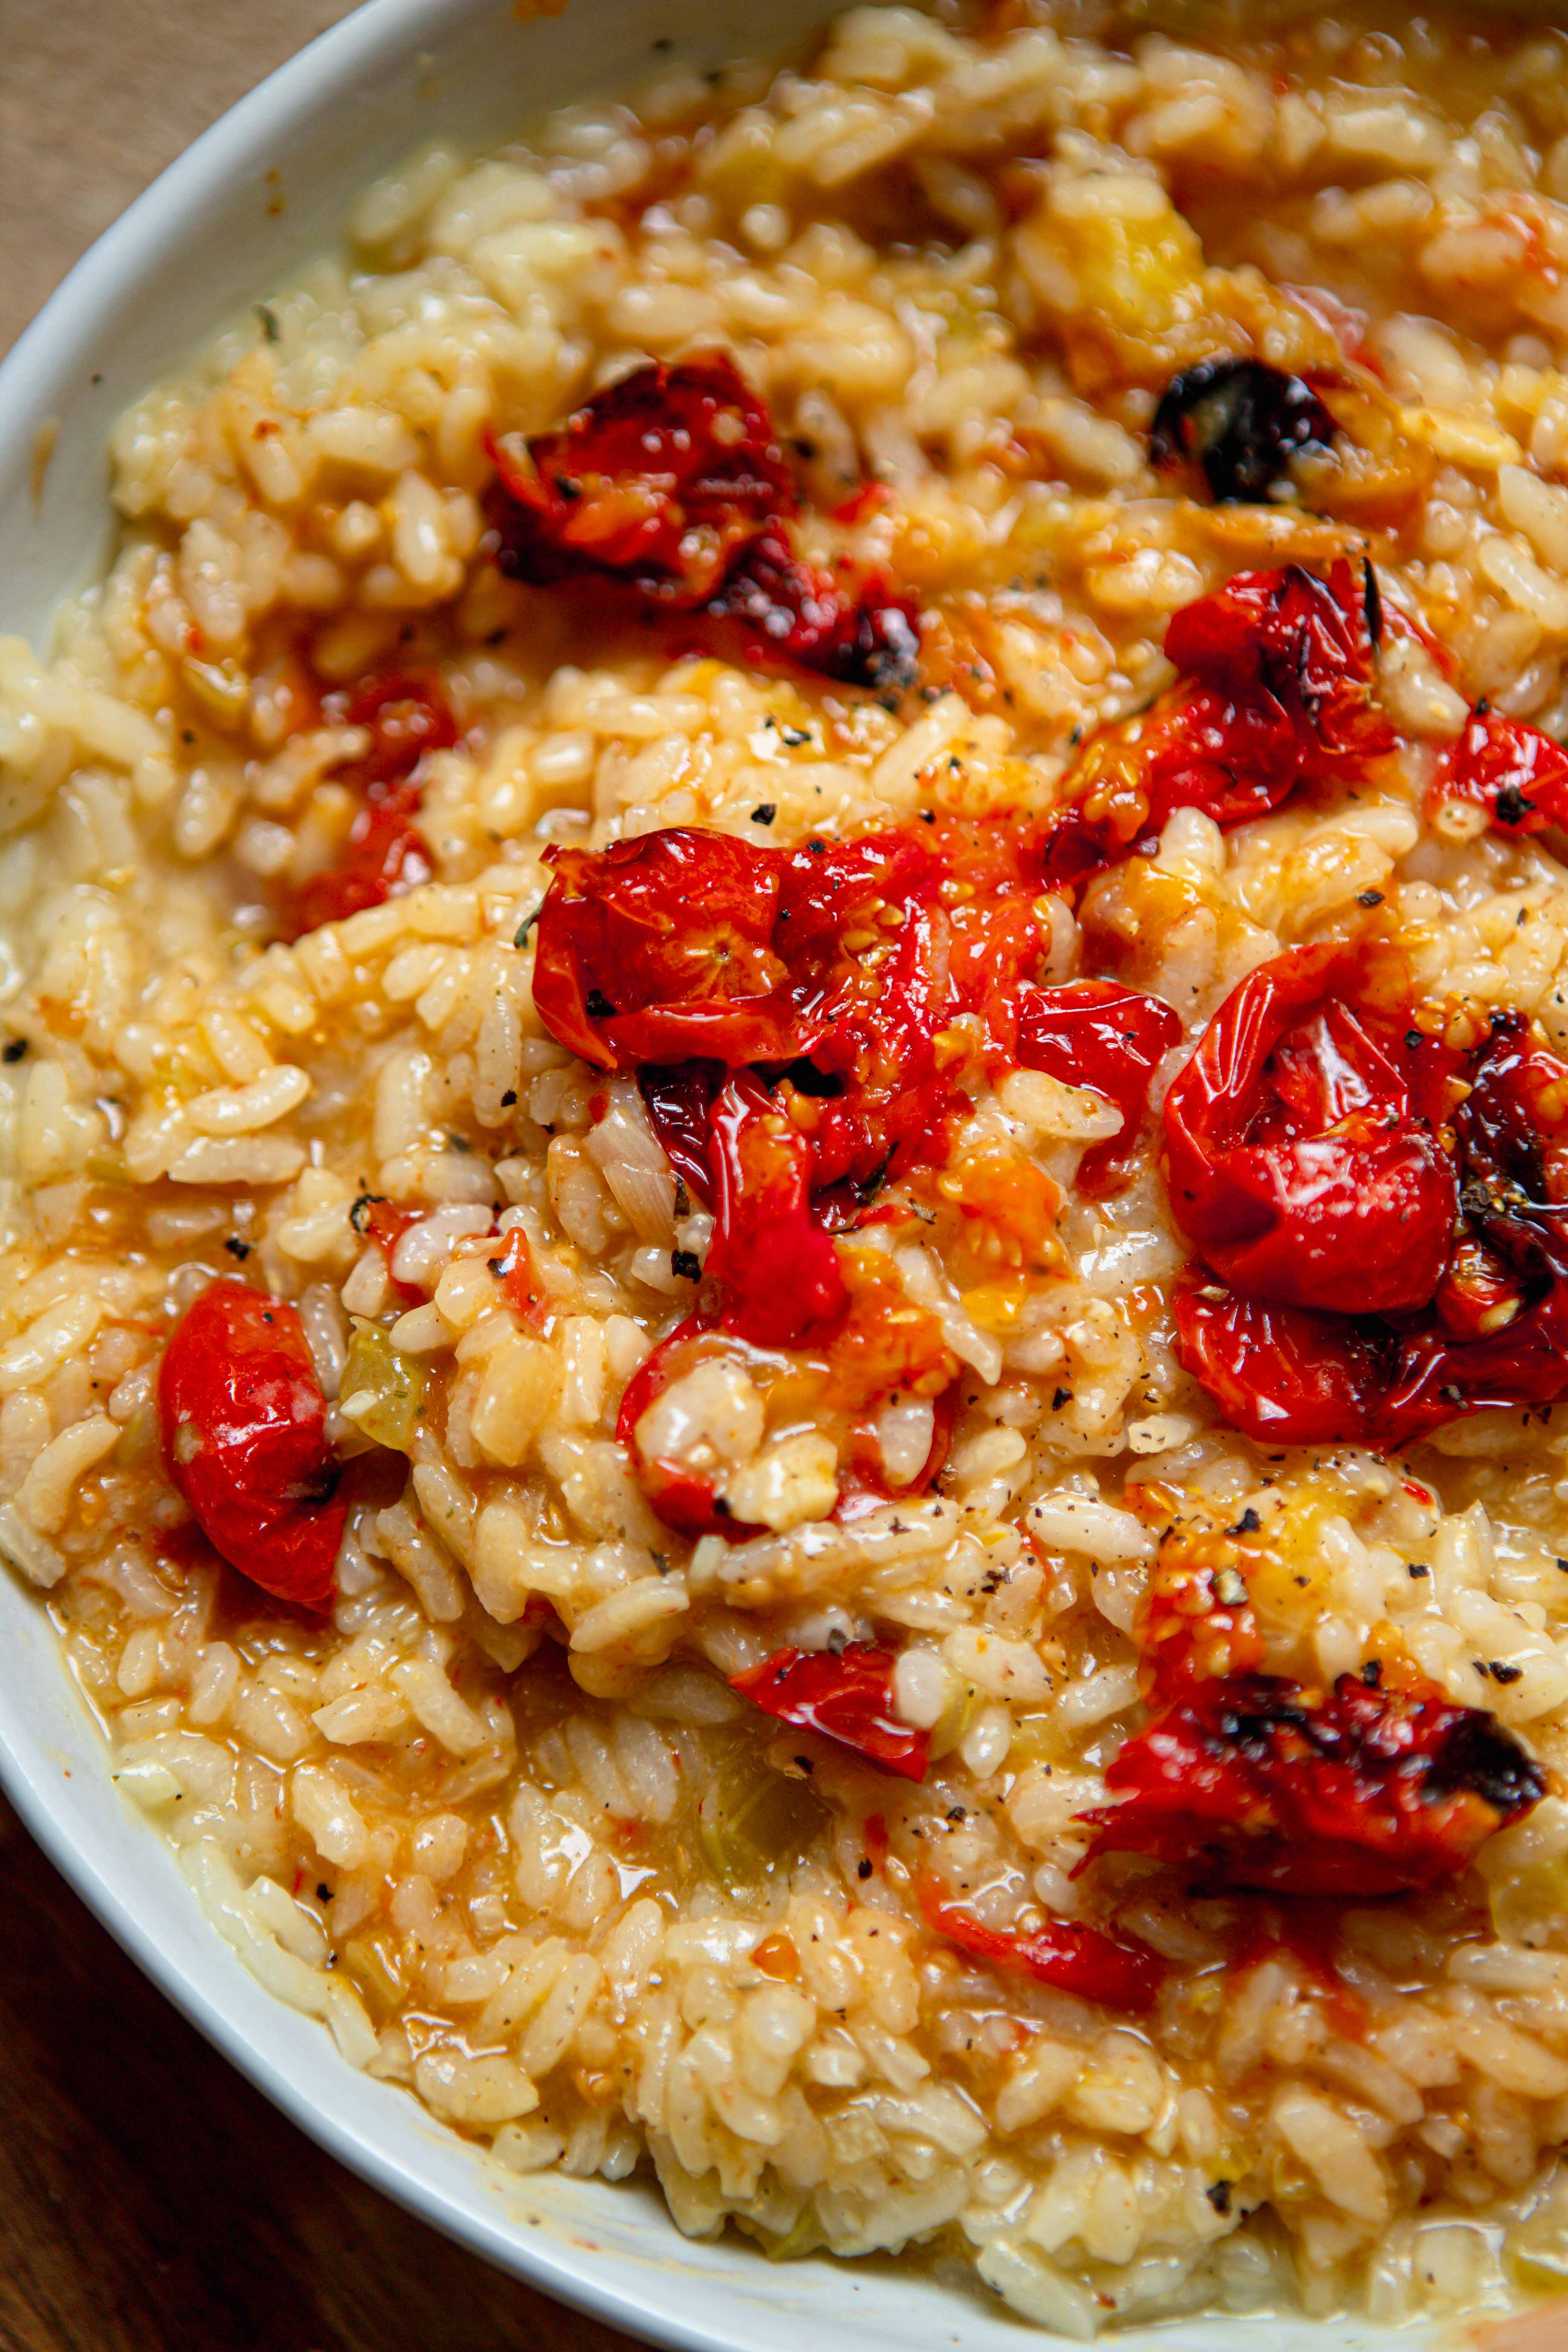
(150, 2199)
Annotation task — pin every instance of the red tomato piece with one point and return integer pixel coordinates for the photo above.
(660, 948)
(1062, 1953)
(657, 479)
(1096, 1033)
(1298, 1150)
(383, 855)
(845, 1694)
(683, 1498)
(1255, 1783)
(243, 1424)
(1497, 1332)
(778, 1272)
(672, 480)
(865, 634)
(679, 1098)
(1277, 693)
(1516, 773)
(1281, 1375)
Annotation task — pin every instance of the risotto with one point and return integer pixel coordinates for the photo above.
(786, 1072)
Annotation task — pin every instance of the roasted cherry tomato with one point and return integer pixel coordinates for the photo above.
(673, 480)
(845, 1694)
(1062, 1953)
(1096, 1033)
(661, 948)
(1276, 693)
(1299, 1150)
(244, 1432)
(1497, 1331)
(1516, 773)
(658, 480)
(698, 946)
(861, 632)
(383, 855)
(1251, 1781)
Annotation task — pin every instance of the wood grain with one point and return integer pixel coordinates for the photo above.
(150, 2199)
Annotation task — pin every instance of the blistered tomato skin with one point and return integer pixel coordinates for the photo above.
(243, 1422)
(1062, 1953)
(1250, 1782)
(1510, 769)
(1299, 1157)
(672, 480)
(847, 1696)
(1496, 1332)
(660, 949)
(657, 479)
(1276, 695)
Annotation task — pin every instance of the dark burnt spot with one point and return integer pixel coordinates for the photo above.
(1242, 422)
(1476, 1754)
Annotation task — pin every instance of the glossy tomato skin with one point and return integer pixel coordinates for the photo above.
(657, 479)
(1497, 1331)
(1299, 1155)
(686, 953)
(1253, 1783)
(847, 1696)
(243, 1422)
(672, 480)
(779, 1271)
(408, 716)
(1276, 695)
(1063, 1953)
(1097, 1033)
(660, 949)
(1506, 767)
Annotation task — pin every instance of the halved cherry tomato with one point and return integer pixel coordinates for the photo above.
(1250, 1781)
(244, 1433)
(1096, 1033)
(673, 480)
(1287, 1375)
(1276, 694)
(1516, 773)
(847, 1696)
(1063, 1953)
(1300, 1153)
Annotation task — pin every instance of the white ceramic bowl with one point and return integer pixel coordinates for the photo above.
(255, 198)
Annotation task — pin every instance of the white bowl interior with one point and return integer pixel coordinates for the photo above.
(260, 195)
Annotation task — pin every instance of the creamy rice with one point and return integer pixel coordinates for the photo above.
(498, 1815)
